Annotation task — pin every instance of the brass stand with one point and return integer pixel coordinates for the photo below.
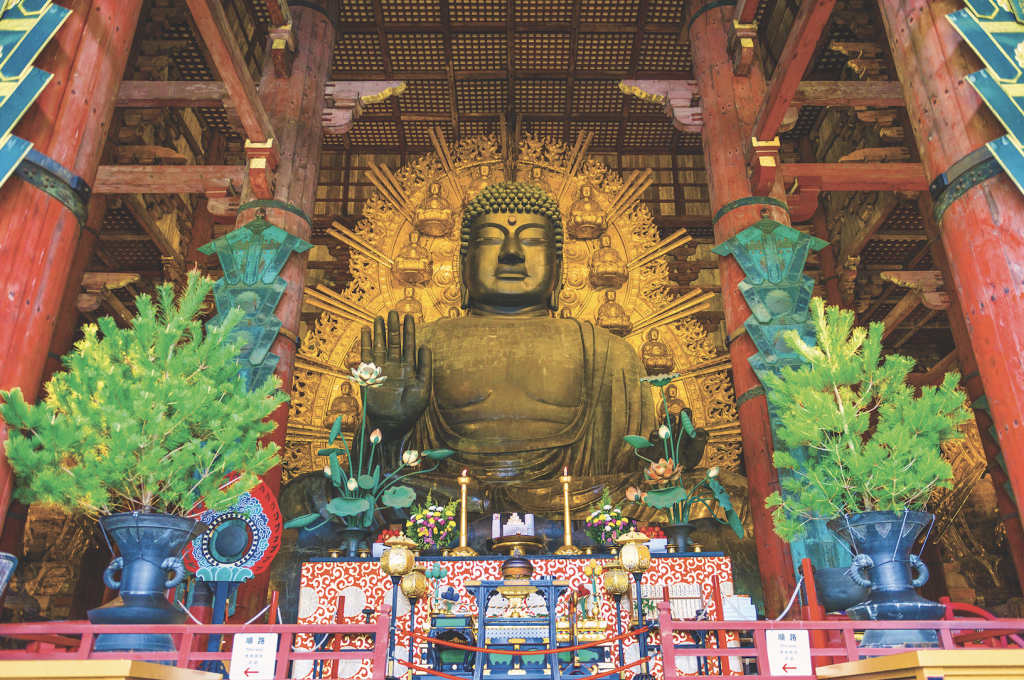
(463, 550)
(568, 548)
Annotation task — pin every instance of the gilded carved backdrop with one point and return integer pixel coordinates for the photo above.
(404, 255)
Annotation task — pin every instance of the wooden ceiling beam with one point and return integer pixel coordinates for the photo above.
(634, 61)
(849, 93)
(216, 34)
(510, 56)
(796, 56)
(860, 176)
(449, 64)
(574, 36)
(215, 180)
(552, 27)
(745, 11)
(143, 94)
(133, 203)
(502, 74)
(882, 209)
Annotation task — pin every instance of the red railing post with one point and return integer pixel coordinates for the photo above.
(668, 644)
(285, 642)
(86, 646)
(812, 611)
(185, 648)
(380, 648)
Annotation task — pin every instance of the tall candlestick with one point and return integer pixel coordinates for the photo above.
(463, 550)
(568, 548)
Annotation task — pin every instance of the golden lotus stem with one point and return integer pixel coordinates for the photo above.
(463, 550)
(567, 548)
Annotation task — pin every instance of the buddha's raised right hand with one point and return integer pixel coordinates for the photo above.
(396, 405)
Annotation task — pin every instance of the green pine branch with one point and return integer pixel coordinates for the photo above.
(829, 406)
(149, 418)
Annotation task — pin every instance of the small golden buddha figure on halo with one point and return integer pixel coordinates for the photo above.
(410, 305)
(675, 404)
(480, 182)
(607, 268)
(453, 313)
(586, 218)
(656, 355)
(537, 178)
(612, 317)
(346, 406)
(434, 213)
(413, 264)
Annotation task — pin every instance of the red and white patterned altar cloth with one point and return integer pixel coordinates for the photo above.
(363, 584)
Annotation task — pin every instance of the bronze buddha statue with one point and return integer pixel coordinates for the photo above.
(613, 317)
(586, 218)
(607, 268)
(656, 355)
(413, 264)
(517, 394)
(346, 406)
(434, 213)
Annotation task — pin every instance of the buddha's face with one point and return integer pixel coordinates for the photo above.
(511, 262)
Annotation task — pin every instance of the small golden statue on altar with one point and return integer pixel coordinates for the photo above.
(612, 317)
(346, 406)
(655, 354)
(434, 214)
(675, 404)
(410, 305)
(586, 218)
(480, 182)
(607, 268)
(413, 264)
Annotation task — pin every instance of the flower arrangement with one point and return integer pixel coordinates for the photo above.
(663, 478)
(360, 485)
(606, 522)
(151, 418)
(433, 526)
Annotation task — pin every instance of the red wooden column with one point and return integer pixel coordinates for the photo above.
(971, 381)
(729, 106)
(983, 231)
(38, 234)
(294, 106)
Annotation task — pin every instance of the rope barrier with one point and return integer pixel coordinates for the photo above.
(555, 650)
(441, 674)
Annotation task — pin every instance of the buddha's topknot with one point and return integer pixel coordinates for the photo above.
(512, 197)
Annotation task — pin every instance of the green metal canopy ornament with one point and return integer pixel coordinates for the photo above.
(995, 30)
(772, 255)
(25, 29)
(252, 258)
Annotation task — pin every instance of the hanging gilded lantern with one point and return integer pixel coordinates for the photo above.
(398, 559)
(415, 583)
(634, 556)
(616, 581)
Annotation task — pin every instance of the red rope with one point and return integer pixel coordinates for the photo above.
(424, 669)
(555, 650)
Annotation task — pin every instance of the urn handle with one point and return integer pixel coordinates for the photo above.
(922, 571)
(116, 564)
(861, 562)
(180, 573)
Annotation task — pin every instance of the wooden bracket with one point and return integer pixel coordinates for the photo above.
(764, 165)
(263, 159)
(345, 101)
(927, 283)
(282, 47)
(676, 95)
(802, 198)
(98, 287)
(741, 47)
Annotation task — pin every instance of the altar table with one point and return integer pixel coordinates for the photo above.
(363, 584)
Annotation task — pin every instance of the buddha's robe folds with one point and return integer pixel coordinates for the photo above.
(521, 399)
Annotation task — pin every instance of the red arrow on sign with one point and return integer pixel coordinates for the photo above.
(247, 671)
(785, 668)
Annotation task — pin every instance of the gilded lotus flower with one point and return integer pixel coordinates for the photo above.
(663, 472)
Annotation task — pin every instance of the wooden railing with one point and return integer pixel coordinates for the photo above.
(74, 640)
(848, 651)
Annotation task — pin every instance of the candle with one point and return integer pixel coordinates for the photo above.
(530, 525)
(496, 525)
(463, 550)
(567, 548)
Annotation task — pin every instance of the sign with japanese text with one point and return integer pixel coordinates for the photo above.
(253, 656)
(789, 652)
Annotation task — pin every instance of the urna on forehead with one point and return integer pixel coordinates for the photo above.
(512, 197)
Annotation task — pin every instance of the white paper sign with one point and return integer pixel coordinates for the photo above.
(789, 652)
(253, 656)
